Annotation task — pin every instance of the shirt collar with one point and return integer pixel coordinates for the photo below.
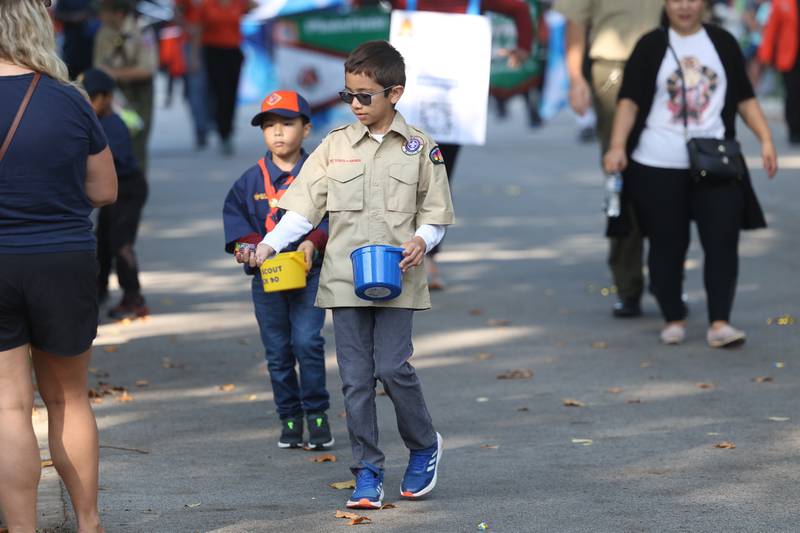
(358, 131)
(276, 173)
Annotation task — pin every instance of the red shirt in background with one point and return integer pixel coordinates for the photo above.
(221, 24)
(515, 9)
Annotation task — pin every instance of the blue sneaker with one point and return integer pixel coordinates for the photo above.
(369, 488)
(423, 466)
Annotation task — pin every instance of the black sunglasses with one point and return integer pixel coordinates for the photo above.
(363, 98)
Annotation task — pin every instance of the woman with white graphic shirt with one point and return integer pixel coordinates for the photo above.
(648, 144)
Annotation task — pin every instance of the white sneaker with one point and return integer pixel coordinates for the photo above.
(725, 337)
(673, 334)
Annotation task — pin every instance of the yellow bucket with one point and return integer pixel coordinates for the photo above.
(284, 272)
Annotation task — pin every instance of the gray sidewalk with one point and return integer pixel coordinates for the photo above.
(528, 289)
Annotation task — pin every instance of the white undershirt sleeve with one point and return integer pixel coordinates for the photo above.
(291, 227)
(432, 234)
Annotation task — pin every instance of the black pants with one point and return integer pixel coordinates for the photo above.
(791, 82)
(450, 154)
(223, 67)
(117, 227)
(666, 200)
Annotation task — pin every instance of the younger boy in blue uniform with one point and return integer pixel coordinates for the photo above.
(118, 223)
(290, 324)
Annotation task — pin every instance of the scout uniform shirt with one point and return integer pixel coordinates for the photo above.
(374, 194)
(614, 25)
(126, 48)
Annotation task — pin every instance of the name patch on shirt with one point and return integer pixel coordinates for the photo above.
(338, 161)
(413, 146)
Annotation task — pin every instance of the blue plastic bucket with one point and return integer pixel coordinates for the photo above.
(376, 272)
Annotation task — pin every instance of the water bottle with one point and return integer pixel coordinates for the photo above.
(613, 204)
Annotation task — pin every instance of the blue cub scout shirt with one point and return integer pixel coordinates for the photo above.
(246, 207)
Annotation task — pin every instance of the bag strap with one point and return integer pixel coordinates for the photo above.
(17, 119)
(685, 106)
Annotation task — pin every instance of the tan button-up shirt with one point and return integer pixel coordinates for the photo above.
(374, 193)
(127, 47)
(614, 25)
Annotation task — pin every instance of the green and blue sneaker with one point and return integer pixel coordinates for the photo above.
(319, 431)
(291, 432)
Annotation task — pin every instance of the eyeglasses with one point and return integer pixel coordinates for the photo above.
(363, 98)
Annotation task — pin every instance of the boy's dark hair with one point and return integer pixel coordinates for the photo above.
(378, 60)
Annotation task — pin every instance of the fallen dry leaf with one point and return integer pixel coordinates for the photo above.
(490, 446)
(497, 323)
(762, 379)
(779, 418)
(523, 409)
(569, 402)
(342, 414)
(584, 442)
(387, 506)
(353, 517)
(244, 342)
(481, 399)
(516, 374)
(645, 364)
(46, 463)
(484, 356)
(475, 312)
(227, 387)
(327, 458)
(111, 349)
(252, 398)
(560, 344)
(780, 364)
(783, 320)
(142, 383)
(725, 445)
(634, 400)
(167, 301)
(705, 386)
(615, 390)
(341, 485)
(600, 345)
(380, 393)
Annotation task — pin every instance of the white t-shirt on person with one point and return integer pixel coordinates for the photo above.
(663, 143)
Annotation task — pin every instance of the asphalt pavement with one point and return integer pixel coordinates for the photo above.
(192, 446)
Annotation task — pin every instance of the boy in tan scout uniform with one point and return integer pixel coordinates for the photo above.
(382, 182)
(130, 56)
(614, 27)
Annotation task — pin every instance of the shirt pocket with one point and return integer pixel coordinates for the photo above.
(401, 193)
(346, 188)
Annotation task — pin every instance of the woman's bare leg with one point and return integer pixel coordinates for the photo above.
(20, 463)
(72, 429)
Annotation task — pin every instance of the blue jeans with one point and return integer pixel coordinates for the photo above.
(290, 330)
(196, 94)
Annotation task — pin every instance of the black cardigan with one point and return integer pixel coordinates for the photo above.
(639, 85)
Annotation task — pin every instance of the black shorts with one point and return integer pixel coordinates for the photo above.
(48, 301)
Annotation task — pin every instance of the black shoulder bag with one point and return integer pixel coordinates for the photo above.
(710, 160)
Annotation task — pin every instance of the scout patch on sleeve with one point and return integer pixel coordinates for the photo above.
(436, 156)
(413, 146)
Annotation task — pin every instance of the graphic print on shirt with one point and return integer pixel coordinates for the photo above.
(702, 83)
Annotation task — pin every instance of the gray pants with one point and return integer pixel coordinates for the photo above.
(625, 253)
(372, 344)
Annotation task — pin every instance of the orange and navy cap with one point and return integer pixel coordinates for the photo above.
(287, 104)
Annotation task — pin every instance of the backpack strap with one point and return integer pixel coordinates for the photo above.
(17, 119)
